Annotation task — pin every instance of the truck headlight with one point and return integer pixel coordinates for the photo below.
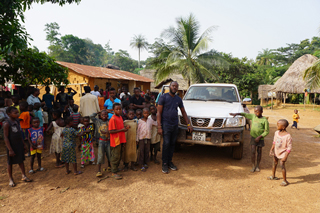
(235, 122)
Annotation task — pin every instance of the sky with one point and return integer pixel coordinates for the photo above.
(243, 28)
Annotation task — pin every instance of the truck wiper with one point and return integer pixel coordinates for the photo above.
(196, 99)
(220, 100)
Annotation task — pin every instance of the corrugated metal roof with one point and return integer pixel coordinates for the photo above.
(102, 72)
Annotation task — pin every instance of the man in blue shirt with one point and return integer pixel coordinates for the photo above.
(109, 103)
(167, 118)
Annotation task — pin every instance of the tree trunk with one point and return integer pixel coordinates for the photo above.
(139, 59)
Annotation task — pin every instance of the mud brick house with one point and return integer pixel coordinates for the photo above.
(84, 75)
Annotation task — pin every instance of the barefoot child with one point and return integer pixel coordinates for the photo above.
(75, 115)
(104, 139)
(259, 130)
(130, 151)
(69, 135)
(144, 138)
(14, 143)
(87, 151)
(296, 118)
(56, 140)
(117, 139)
(280, 150)
(36, 141)
(155, 137)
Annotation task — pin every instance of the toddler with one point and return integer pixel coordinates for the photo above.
(280, 150)
(130, 151)
(296, 118)
(155, 137)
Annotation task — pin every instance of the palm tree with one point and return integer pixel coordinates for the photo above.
(265, 57)
(312, 76)
(139, 42)
(186, 53)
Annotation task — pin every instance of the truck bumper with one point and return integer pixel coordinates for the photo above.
(214, 137)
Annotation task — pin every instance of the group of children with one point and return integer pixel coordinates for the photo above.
(129, 135)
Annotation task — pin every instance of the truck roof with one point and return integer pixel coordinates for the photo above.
(214, 84)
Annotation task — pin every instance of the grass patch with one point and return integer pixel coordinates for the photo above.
(3, 197)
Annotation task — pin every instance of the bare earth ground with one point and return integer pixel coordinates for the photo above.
(208, 180)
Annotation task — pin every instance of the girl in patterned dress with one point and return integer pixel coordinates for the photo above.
(87, 151)
(56, 142)
(69, 135)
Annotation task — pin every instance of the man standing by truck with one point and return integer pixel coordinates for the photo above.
(168, 124)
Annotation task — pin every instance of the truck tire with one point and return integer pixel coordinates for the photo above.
(237, 152)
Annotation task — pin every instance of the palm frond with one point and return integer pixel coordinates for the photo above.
(312, 76)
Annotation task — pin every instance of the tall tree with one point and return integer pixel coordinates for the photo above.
(312, 76)
(139, 42)
(186, 53)
(265, 57)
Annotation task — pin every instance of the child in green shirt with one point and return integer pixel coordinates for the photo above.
(259, 130)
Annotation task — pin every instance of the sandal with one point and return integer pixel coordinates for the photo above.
(60, 166)
(284, 183)
(78, 173)
(25, 179)
(273, 178)
(99, 174)
(12, 184)
(109, 169)
(125, 169)
(117, 177)
(68, 172)
(143, 169)
(41, 169)
(82, 166)
(32, 171)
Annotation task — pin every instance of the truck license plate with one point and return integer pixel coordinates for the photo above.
(199, 136)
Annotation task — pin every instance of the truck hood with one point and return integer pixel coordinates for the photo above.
(211, 109)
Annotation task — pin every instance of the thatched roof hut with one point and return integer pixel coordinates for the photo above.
(292, 81)
(183, 84)
(264, 90)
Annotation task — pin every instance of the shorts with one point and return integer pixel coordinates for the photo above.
(260, 143)
(24, 134)
(103, 150)
(295, 124)
(35, 151)
(155, 147)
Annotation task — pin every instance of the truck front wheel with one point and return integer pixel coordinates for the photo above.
(237, 151)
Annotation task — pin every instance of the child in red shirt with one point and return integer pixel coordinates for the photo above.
(117, 139)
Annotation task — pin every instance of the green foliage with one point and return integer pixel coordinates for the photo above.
(13, 35)
(186, 53)
(32, 67)
(137, 71)
(70, 48)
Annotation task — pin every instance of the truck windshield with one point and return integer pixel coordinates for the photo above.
(212, 93)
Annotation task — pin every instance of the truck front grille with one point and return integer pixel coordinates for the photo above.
(200, 122)
(218, 123)
(182, 121)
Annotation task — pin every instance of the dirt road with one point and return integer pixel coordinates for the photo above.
(208, 180)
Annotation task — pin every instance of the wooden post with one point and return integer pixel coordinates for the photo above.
(80, 90)
(271, 100)
(284, 99)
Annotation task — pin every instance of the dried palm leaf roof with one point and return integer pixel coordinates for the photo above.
(292, 81)
(183, 84)
(263, 91)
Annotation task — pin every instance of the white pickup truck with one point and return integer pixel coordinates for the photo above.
(208, 107)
